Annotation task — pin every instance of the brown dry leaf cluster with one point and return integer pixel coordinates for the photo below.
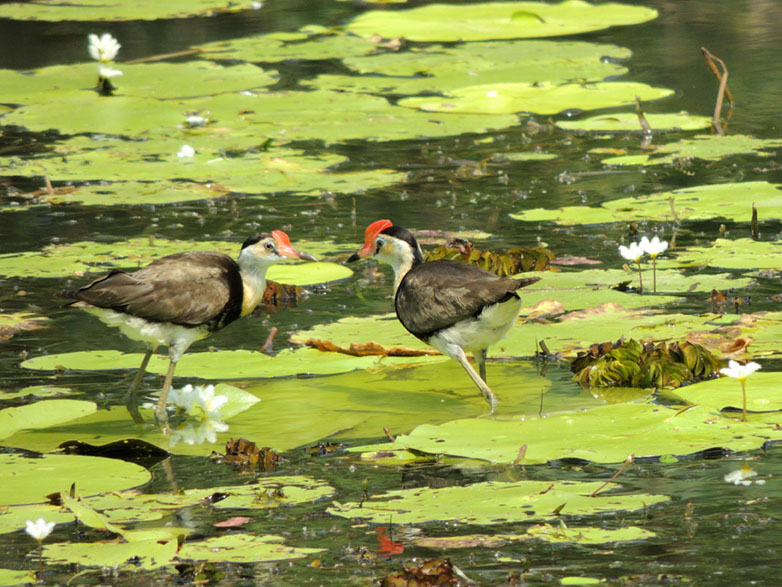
(246, 454)
(370, 348)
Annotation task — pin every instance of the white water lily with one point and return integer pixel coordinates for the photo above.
(184, 398)
(195, 120)
(186, 152)
(39, 529)
(108, 72)
(103, 48)
(742, 476)
(634, 253)
(741, 372)
(653, 247)
(210, 403)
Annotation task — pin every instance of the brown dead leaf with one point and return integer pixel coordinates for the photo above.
(370, 348)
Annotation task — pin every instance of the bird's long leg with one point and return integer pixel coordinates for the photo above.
(455, 351)
(131, 399)
(160, 412)
(480, 358)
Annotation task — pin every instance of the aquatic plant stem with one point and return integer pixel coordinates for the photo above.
(640, 278)
(744, 399)
(654, 274)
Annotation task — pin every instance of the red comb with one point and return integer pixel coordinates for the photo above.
(375, 229)
(281, 237)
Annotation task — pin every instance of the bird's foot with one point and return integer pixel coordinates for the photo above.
(131, 403)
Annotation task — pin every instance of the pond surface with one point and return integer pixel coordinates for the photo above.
(705, 530)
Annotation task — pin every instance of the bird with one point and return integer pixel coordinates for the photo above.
(452, 306)
(181, 298)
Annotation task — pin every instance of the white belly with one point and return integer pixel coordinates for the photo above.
(479, 333)
(177, 338)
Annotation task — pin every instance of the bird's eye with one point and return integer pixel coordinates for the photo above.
(269, 246)
(379, 244)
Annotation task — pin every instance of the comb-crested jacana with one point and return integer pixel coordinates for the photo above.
(450, 305)
(181, 298)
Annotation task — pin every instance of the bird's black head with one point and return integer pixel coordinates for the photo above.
(384, 240)
(256, 238)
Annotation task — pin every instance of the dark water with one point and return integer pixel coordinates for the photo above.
(711, 533)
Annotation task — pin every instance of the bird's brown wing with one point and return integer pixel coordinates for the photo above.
(187, 288)
(437, 294)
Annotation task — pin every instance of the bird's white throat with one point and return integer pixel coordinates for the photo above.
(399, 255)
(253, 270)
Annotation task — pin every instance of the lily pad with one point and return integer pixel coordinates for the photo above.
(42, 414)
(732, 201)
(9, 577)
(497, 20)
(38, 391)
(741, 253)
(134, 193)
(97, 10)
(628, 122)
(29, 479)
(762, 394)
(606, 434)
(244, 548)
(78, 259)
(275, 47)
(439, 69)
(707, 147)
(494, 502)
(142, 554)
(545, 98)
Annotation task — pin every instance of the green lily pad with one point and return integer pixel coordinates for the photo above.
(628, 121)
(249, 170)
(239, 364)
(244, 548)
(9, 577)
(732, 201)
(605, 434)
(42, 414)
(707, 147)
(545, 98)
(347, 406)
(134, 193)
(762, 394)
(741, 253)
(15, 516)
(78, 259)
(587, 534)
(440, 69)
(30, 479)
(137, 555)
(97, 10)
(493, 502)
(38, 391)
(275, 47)
(497, 20)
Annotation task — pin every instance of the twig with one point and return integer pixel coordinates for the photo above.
(627, 463)
(723, 91)
(163, 56)
(269, 340)
(754, 224)
(645, 126)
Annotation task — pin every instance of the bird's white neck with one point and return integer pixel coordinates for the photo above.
(401, 258)
(253, 270)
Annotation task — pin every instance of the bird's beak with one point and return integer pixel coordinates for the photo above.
(285, 248)
(363, 253)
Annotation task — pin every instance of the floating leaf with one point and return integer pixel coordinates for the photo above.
(42, 414)
(244, 548)
(97, 10)
(137, 555)
(732, 201)
(495, 20)
(493, 502)
(545, 98)
(604, 434)
(707, 147)
(30, 479)
(628, 122)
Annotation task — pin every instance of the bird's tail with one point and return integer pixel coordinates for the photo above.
(525, 281)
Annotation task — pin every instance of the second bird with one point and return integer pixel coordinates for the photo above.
(450, 305)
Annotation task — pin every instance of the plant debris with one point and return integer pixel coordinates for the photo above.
(513, 261)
